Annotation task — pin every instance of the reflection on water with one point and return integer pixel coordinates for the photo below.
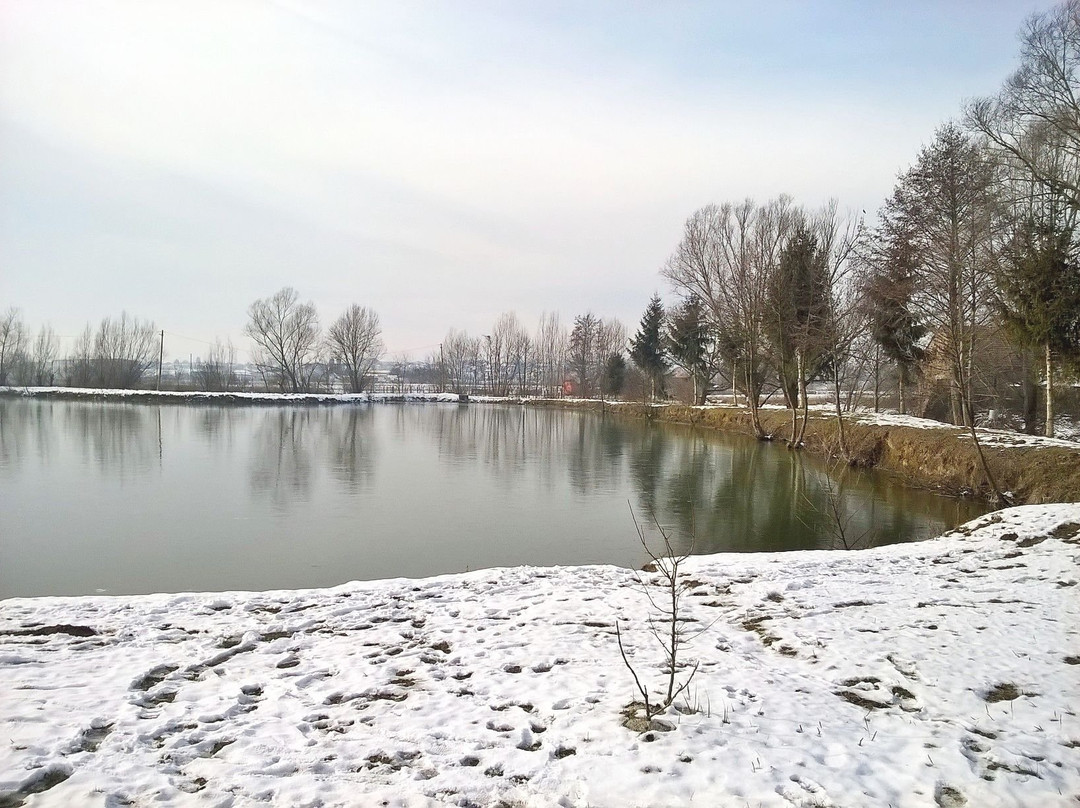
(121, 497)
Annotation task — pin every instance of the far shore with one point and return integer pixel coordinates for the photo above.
(920, 452)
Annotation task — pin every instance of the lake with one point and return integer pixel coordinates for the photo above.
(106, 497)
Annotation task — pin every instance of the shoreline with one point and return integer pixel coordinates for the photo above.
(918, 452)
(912, 675)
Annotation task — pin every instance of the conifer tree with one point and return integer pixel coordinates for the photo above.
(691, 346)
(890, 289)
(1039, 297)
(647, 349)
(614, 374)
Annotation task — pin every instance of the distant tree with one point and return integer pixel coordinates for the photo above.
(550, 353)
(614, 375)
(647, 348)
(12, 338)
(286, 336)
(691, 345)
(115, 355)
(354, 343)
(458, 356)
(34, 366)
(506, 353)
(216, 372)
(582, 357)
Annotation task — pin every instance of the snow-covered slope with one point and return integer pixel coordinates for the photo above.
(938, 673)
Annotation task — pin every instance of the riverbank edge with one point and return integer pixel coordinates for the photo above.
(932, 455)
(939, 457)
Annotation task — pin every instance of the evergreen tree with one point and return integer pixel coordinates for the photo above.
(691, 346)
(1039, 296)
(614, 375)
(797, 326)
(890, 291)
(647, 349)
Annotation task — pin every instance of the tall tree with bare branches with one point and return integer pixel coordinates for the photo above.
(286, 336)
(354, 343)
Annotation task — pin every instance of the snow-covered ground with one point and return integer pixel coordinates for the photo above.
(228, 397)
(940, 673)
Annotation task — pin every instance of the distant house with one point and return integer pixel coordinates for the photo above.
(999, 371)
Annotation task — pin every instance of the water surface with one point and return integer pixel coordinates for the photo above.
(110, 497)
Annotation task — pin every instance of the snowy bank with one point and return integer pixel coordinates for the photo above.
(183, 397)
(920, 452)
(938, 673)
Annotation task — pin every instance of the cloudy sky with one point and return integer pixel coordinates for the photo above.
(441, 162)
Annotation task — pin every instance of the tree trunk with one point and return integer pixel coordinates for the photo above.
(841, 437)
(1049, 432)
(877, 380)
(900, 392)
(805, 403)
(1030, 390)
(793, 402)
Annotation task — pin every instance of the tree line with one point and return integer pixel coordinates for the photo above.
(973, 262)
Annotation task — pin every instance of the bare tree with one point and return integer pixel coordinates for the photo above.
(727, 254)
(216, 372)
(34, 365)
(115, 355)
(355, 343)
(668, 627)
(459, 352)
(286, 336)
(505, 353)
(1034, 121)
(12, 339)
(551, 341)
(592, 342)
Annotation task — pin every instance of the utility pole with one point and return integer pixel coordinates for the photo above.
(160, 356)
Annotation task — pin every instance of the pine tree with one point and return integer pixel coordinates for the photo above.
(890, 294)
(799, 317)
(647, 349)
(690, 345)
(1039, 297)
(614, 375)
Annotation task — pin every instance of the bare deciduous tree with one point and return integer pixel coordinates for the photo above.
(668, 627)
(216, 372)
(505, 353)
(286, 336)
(459, 352)
(355, 343)
(117, 355)
(726, 257)
(12, 337)
(1034, 121)
(34, 366)
(551, 340)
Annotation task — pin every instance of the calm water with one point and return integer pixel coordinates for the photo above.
(104, 497)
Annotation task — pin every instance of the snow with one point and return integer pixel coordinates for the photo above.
(229, 397)
(910, 675)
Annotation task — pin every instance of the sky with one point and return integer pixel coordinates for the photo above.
(440, 162)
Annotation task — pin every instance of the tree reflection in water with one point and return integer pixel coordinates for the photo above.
(274, 497)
